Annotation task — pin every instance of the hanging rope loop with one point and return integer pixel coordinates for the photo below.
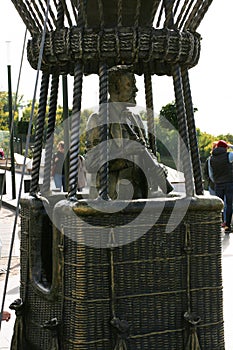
(192, 318)
(192, 340)
(122, 329)
(188, 243)
(53, 325)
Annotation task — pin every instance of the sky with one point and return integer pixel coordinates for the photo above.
(210, 80)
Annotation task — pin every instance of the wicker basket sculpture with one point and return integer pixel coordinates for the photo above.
(92, 279)
(162, 290)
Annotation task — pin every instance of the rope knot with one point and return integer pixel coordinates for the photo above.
(192, 318)
(122, 328)
(112, 238)
(51, 324)
(192, 342)
(188, 242)
(17, 306)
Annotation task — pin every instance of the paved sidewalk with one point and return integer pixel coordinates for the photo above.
(7, 198)
(7, 221)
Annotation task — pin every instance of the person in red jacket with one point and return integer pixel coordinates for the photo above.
(221, 162)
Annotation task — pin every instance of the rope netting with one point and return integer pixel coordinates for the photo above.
(185, 14)
(153, 36)
(83, 37)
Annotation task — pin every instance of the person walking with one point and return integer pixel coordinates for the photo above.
(221, 164)
(208, 172)
(58, 171)
(82, 176)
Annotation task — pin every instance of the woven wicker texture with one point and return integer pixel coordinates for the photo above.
(159, 48)
(135, 295)
(41, 302)
(151, 278)
(115, 32)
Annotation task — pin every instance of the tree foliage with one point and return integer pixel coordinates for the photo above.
(168, 115)
(166, 128)
(60, 124)
(4, 117)
(168, 121)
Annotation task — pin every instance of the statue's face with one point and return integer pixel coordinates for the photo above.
(127, 89)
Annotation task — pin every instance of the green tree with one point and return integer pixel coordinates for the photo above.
(168, 113)
(4, 117)
(169, 121)
(4, 109)
(59, 125)
(205, 142)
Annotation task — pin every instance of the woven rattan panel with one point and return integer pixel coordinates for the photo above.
(159, 49)
(152, 277)
(41, 302)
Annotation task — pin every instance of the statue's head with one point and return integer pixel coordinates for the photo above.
(122, 85)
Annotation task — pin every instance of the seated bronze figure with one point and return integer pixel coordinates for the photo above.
(130, 159)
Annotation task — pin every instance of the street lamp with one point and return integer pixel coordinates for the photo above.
(11, 121)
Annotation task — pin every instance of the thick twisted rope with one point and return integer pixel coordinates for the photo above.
(192, 133)
(150, 111)
(137, 13)
(24, 166)
(26, 16)
(192, 342)
(190, 14)
(101, 13)
(193, 13)
(50, 132)
(200, 15)
(38, 20)
(60, 16)
(119, 13)
(66, 11)
(74, 12)
(43, 7)
(183, 132)
(66, 129)
(168, 5)
(159, 15)
(75, 134)
(121, 327)
(181, 19)
(52, 14)
(154, 10)
(82, 15)
(103, 113)
(39, 133)
(176, 6)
